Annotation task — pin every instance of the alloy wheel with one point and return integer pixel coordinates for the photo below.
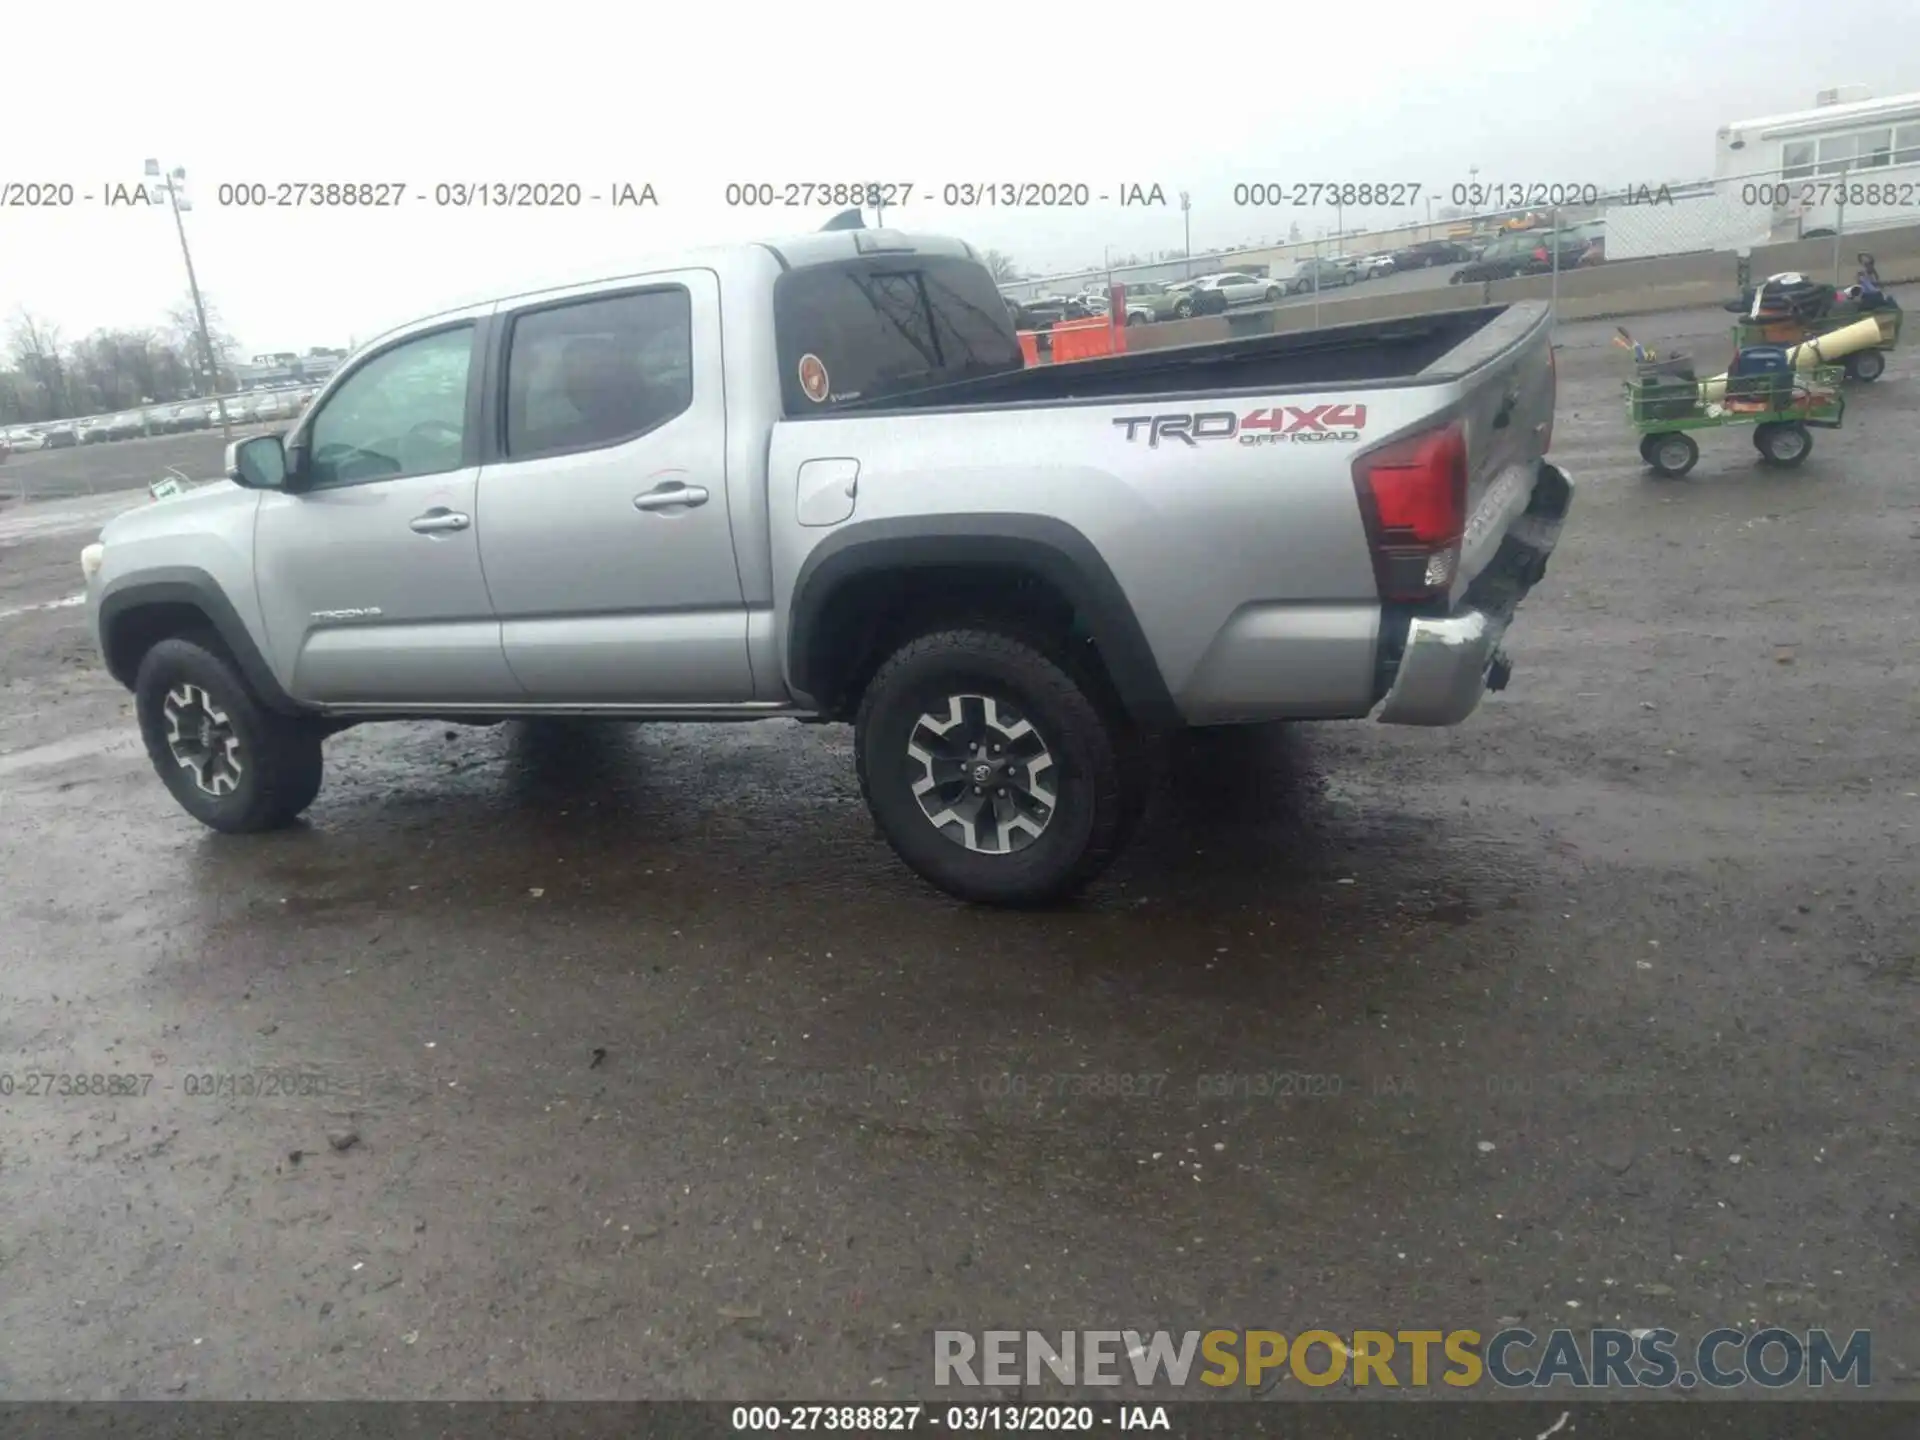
(987, 775)
(201, 738)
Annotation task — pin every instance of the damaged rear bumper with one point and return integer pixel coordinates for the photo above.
(1448, 662)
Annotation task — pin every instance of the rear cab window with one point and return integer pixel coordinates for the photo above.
(885, 325)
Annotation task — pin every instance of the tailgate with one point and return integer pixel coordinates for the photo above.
(1503, 385)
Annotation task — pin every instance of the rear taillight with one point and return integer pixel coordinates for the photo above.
(1413, 498)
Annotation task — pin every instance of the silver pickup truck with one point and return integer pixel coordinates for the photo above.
(813, 479)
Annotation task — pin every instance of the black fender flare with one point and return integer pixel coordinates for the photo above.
(1051, 549)
(188, 585)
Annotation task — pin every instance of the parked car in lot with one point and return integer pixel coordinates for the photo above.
(1317, 274)
(1050, 310)
(101, 428)
(1371, 267)
(1236, 287)
(1570, 244)
(24, 438)
(1342, 524)
(1149, 301)
(1505, 256)
(1191, 298)
(1425, 254)
(62, 436)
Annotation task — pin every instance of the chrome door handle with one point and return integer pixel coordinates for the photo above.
(438, 520)
(669, 495)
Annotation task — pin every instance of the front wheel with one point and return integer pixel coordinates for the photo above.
(1184, 310)
(993, 772)
(1866, 365)
(1784, 442)
(231, 763)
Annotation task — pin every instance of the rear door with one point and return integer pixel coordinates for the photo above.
(603, 496)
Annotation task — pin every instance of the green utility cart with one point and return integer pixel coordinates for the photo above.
(1784, 410)
(1863, 365)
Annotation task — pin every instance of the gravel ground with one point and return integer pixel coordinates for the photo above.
(630, 1064)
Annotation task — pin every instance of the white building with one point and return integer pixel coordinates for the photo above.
(1849, 164)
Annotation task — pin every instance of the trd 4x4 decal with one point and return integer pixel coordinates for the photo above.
(1280, 425)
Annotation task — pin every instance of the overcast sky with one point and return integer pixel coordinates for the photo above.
(691, 97)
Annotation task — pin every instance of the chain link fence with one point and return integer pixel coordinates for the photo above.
(1813, 218)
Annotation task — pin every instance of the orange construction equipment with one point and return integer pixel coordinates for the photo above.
(1082, 339)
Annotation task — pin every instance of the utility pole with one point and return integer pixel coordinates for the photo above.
(173, 182)
(1186, 218)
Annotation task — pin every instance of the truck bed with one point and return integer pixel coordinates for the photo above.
(1418, 348)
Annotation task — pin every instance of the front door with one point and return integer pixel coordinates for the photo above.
(369, 577)
(607, 543)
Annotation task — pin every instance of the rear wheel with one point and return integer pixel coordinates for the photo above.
(232, 764)
(993, 771)
(1671, 455)
(1784, 442)
(1184, 309)
(1866, 365)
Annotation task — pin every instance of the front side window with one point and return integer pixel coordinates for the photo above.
(1874, 147)
(1796, 160)
(1906, 145)
(598, 372)
(401, 413)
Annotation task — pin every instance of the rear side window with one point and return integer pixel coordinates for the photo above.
(598, 372)
(882, 326)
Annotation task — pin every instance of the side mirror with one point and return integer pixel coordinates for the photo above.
(259, 463)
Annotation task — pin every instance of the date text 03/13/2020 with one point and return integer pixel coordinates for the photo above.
(342, 194)
(953, 195)
(952, 1419)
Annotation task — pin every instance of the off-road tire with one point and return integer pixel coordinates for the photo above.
(1102, 786)
(279, 756)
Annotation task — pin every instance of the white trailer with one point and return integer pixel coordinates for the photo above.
(1846, 165)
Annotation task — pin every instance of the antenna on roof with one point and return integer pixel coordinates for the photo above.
(846, 220)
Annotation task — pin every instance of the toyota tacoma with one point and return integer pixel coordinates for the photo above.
(813, 479)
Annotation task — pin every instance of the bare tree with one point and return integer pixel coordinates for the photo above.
(183, 333)
(1001, 267)
(122, 369)
(35, 345)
